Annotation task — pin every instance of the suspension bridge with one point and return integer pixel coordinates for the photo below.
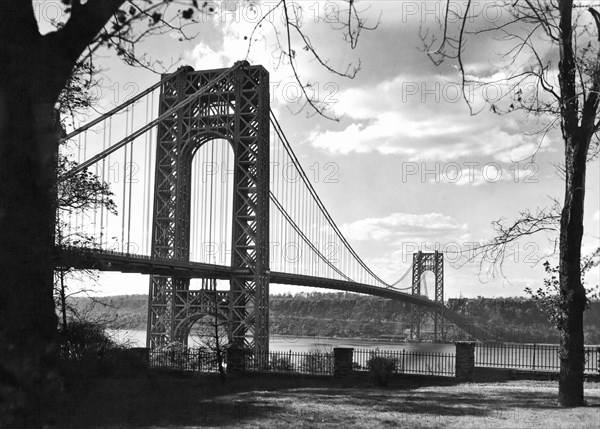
(211, 202)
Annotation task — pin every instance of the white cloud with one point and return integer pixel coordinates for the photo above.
(403, 226)
(230, 42)
(391, 135)
(205, 58)
(421, 121)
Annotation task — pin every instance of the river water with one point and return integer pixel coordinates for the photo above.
(516, 356)
(282, 343)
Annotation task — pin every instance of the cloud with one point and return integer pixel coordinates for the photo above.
(206, 58)
(422, 120)
(229, 42)
(405, 226)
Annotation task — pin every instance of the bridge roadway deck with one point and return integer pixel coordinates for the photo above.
(103, 260)
(82, 258)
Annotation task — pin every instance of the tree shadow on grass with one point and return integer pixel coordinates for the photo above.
(445, 403)
(170, 400)
(165, 400)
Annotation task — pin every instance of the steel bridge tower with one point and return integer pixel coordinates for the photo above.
(423, 262)
(235, 109)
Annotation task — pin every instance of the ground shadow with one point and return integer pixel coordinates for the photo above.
(168, 399)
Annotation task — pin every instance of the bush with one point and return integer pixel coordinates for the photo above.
(86, 350)
(82, 340)
(281, 364)
(381, 368)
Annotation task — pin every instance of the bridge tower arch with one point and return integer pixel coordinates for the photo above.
(423, 262)
(234, 108)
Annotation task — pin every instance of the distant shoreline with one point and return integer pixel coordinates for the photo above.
(353, 317)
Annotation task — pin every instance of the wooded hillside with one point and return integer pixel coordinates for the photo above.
(351, 315)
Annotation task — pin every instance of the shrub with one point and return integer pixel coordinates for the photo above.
(83, 340)
(381, 368)
(86, 350)
(281, 364)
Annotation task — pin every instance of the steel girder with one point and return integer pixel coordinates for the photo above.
(234, 108)
(423, 262)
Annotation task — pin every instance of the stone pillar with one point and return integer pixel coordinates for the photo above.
(464, 359)
(141, 353)
(342, 361)
(236, 360)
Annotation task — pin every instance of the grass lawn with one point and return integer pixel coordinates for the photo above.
(160, 400)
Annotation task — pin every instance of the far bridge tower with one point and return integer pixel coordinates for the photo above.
(423, 262)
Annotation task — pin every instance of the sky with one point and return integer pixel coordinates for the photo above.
(407, 167)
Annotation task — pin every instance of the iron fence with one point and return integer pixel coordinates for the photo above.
(202, 360)
(530, 356)
(318, 363)
(186, 360)
(408, 362)
(542, 357)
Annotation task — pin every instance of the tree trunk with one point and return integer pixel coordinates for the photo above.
(29, 85)
(27, 206)
(572, 357)
(35, 69)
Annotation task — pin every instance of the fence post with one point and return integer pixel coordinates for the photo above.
(403, 361)
(533, 357)
(143, 354)
(342, 361)
(465, 359)
(236, 360)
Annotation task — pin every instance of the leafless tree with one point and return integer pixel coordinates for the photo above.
(550, 72)
(211, 331)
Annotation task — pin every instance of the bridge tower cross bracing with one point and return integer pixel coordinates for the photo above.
(422, 262)
(235, 109)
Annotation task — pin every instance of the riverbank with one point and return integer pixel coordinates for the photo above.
(344, 315)
(161, 400)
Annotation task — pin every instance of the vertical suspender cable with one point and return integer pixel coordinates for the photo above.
(193, 211)
(146, 196)
(212, 184)
(130, 182)
(124, 185)
(78, 162)
(108, 173)
(104, 197)
(148, 187)
(204, 180)
(84, 150)
(224, 189)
